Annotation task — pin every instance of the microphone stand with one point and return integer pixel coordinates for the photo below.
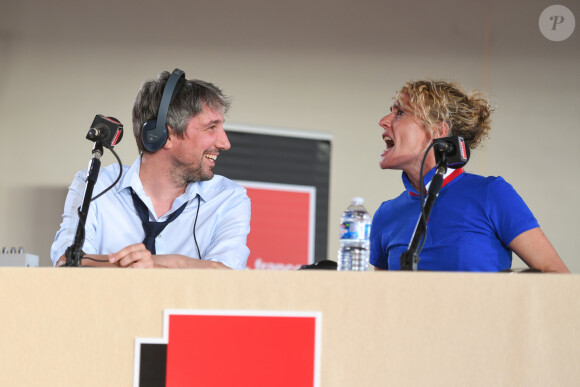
(74, 253)
(410, 258)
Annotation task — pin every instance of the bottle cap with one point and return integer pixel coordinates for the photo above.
(357, 201)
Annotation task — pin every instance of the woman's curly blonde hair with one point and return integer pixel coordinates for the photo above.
(466, 113)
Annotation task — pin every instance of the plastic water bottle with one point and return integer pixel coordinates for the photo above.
(355, 230)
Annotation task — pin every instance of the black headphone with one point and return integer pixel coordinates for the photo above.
(154, 132)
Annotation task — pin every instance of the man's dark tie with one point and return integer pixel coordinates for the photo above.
(152, 229)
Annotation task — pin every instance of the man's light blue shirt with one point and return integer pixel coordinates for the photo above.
(112, 223)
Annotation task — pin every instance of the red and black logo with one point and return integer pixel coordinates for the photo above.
(232, 348)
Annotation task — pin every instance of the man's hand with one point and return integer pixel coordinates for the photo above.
(136, 256)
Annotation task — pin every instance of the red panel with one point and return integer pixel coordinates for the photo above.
(279, 228)
(240, 351)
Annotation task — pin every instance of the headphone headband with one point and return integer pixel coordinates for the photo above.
(169, 93)
(155, 132)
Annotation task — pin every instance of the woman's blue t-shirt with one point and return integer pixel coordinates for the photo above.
(472, 222)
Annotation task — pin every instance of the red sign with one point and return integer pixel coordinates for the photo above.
(282, 226)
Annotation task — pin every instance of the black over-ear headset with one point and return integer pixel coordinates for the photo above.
(154, 132)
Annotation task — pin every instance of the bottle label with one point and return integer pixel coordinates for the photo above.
(355, 230)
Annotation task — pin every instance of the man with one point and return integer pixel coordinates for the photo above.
(207, 217)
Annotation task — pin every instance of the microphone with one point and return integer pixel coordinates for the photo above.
(452, 149)
(107, 130)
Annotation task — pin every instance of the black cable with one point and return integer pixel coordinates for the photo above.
(118, 177)
(195, 223)
(94, 259)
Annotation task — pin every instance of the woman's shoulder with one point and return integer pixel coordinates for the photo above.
(492, 184)
(472, 178)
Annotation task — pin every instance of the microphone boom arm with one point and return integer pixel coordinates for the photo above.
(74, 253)
(410, 258)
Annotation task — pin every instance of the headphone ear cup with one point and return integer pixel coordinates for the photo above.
(153, 140)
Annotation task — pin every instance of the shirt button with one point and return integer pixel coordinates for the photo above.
(159, 236)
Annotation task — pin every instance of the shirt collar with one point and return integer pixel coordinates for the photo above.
(131, 179)
(449, 176)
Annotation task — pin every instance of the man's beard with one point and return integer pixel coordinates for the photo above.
(187, 174)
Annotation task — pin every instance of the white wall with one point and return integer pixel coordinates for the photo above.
(330, 66)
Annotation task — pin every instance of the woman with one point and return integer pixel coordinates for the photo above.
(476, 222)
